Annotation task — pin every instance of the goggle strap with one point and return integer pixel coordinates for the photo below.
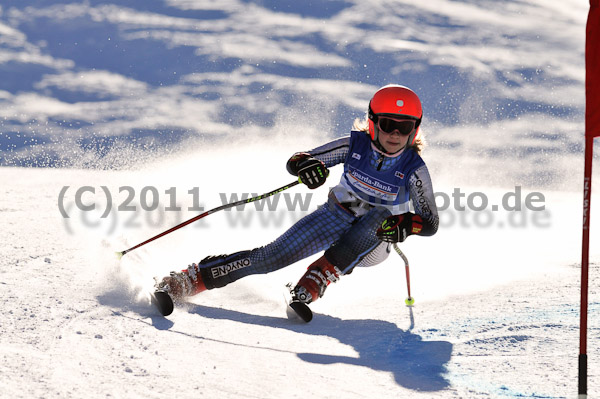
(372, 116)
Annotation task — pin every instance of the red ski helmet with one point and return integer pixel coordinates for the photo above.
(398, 102)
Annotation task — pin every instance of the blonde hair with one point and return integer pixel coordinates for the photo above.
(362, 125)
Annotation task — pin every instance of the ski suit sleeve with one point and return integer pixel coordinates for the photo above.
(329, 154)
(423, 200)
(332, 153)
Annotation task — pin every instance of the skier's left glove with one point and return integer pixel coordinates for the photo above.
(397, 227)
(309, 170)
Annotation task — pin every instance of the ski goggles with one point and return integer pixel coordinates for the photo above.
(390, 125)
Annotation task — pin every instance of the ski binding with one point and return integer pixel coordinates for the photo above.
(295, 309)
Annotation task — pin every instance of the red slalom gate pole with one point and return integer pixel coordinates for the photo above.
(592, 130)
(585, 255)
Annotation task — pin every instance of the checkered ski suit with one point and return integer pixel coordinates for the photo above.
(344, 227)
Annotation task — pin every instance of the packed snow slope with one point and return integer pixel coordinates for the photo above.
(120, 119)
(496, 311)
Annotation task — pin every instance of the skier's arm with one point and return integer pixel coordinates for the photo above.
(332, 153)
(311, 167)
(423, 200)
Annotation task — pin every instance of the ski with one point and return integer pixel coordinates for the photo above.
(297, 309)
(163, 302)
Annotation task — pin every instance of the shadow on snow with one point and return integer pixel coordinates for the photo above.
(416, 364)
(381, 345)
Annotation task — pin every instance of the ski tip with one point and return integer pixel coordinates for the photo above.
(301, 310)
(163, 302)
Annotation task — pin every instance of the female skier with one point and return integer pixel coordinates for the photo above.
(366, 212)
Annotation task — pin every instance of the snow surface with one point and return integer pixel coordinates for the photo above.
(213, 97)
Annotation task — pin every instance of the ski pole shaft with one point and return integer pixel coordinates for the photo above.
(209, 212)
(410, 300)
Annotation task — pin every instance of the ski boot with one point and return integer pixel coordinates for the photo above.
(180, 285)
(312, 286)
(316, 279)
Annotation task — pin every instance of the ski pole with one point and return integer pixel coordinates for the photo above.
(410, 300)
(209, 212)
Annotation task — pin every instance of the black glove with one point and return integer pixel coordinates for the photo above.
(309, 170)
(397, 227)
